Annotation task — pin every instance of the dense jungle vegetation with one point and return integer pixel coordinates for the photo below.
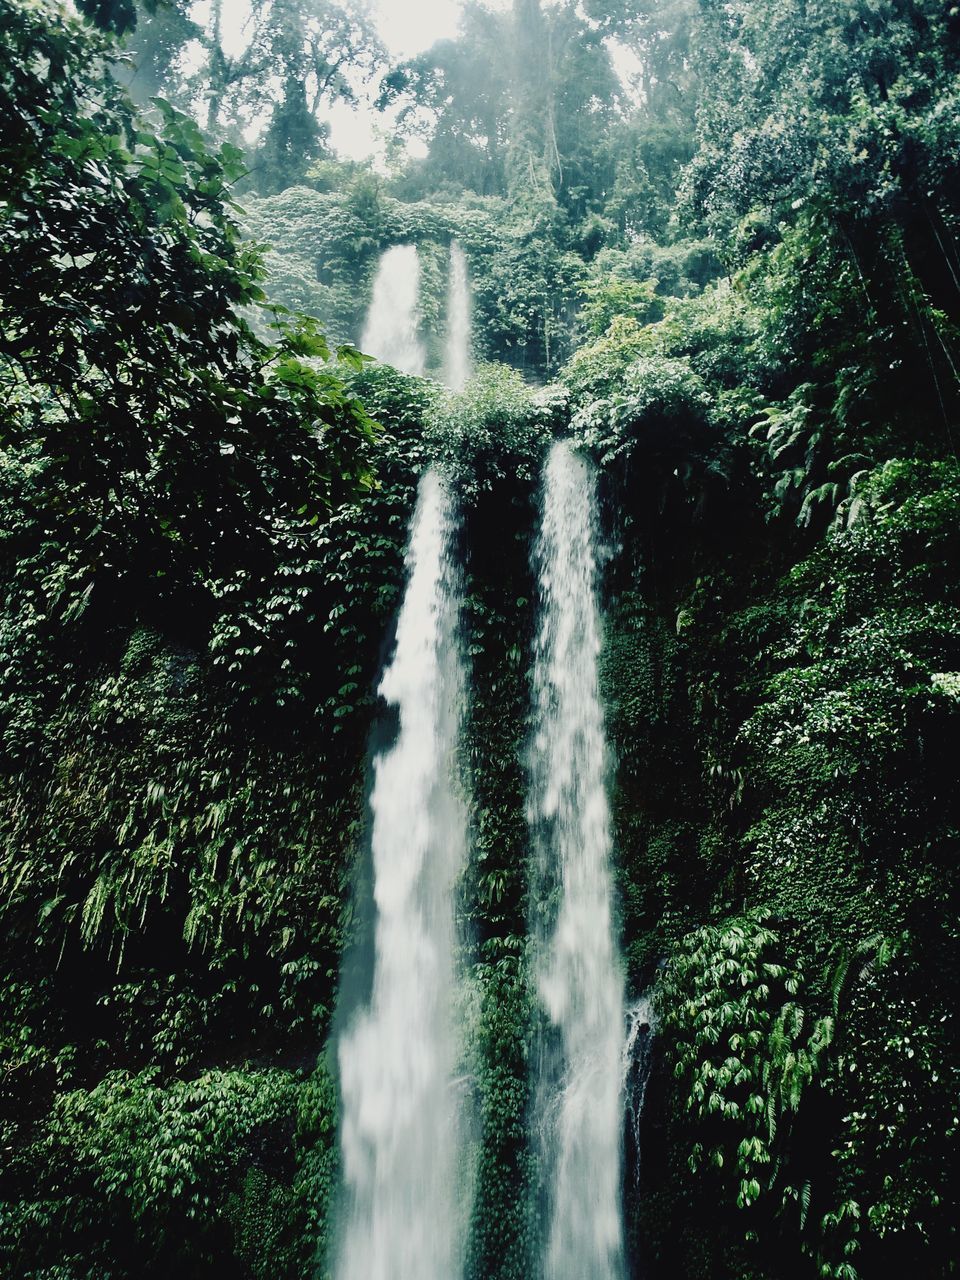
(739, 287)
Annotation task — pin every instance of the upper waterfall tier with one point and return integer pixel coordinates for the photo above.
(392, 331)
(457, 360)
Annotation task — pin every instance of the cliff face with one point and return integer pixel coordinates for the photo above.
(182, 834)
(740, 302)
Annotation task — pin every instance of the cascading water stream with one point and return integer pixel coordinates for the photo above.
(635, 1074)
(457, 363)
(393, 318)
(402, 1112)
(580, 1099)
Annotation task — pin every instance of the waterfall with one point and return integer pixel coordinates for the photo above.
(635, 1073)
(392, 329)
(401, 1127)
(456, 363)
(577, 970)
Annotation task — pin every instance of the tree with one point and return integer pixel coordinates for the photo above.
(303, 54)
(566, 95)
(295, 58)
(158, 47)
(166, 431)
(520, 100)
(456, 96)
(656, 139)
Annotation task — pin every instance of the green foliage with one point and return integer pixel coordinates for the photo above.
(762, 1076)
(201, 549)
(846, 226)
(493, 430)
(155, 1149)
(126, 362)
(270, 79)
(172, 878)
(457, 94)
(178, 1172)
(118, 16)
(615, 299)
(825, 785)
(899, 1128)
(504, 1237)
(499, 615)
(655, 398)
(596, 369)
(742, 1048)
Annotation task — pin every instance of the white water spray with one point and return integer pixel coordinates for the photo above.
(578, 975)
(402, 1110)
(457, 362)
(393, 319)
(635, 1073)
